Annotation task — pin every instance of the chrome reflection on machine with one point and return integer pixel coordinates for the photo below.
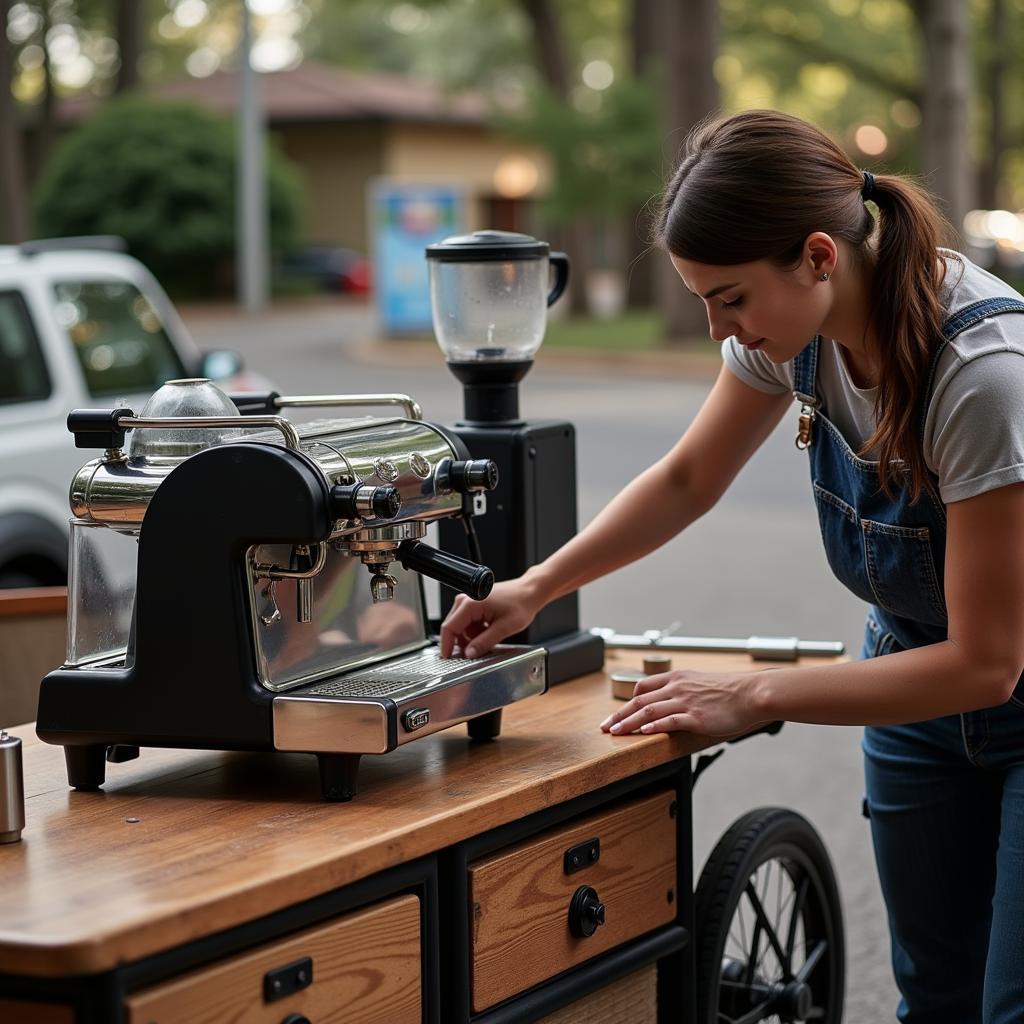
(278, 603)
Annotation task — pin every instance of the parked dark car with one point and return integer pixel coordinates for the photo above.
(330, 269)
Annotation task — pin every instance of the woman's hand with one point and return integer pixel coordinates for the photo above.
(716, 704)
(476, 626)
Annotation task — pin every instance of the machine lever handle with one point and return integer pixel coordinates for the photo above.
(256, 403)
(458, 573)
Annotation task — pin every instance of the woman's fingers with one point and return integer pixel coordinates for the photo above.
(460, 623)
(646, 715)
(636, 705)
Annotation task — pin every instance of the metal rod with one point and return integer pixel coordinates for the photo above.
(762, 648)
(274, 572)
(411, 406)
(291, 435)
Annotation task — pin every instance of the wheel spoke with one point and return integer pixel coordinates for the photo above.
(755, 1016)
(798, 906)
(765, 923)
(812, 961)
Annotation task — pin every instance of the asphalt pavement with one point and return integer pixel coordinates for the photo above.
(753, 566)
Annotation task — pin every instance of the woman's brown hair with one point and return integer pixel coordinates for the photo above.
(755, 185)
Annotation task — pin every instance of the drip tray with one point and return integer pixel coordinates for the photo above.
(373, 710)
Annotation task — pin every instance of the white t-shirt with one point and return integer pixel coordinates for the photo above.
(974, 427)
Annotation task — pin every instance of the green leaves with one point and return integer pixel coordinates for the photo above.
(163, 176)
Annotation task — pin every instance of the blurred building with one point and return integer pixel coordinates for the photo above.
(343, 129)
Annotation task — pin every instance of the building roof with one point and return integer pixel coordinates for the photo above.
(315, 92)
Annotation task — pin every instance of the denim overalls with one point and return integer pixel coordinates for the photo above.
(945, 797)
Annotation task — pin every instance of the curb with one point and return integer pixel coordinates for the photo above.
(689, 364)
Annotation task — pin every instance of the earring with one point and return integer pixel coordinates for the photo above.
(824, 277)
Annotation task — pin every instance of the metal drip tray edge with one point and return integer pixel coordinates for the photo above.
(373, 723)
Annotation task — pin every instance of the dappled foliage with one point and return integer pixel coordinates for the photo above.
(163, 177)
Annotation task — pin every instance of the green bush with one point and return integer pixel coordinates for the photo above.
(163, 177)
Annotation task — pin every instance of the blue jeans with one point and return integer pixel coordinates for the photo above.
(946, 801)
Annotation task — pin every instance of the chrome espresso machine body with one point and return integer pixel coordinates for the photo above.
(277, 603)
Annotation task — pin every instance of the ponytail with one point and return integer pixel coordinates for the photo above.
(907, 319)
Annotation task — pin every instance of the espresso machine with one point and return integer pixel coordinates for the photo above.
(277, 603)
(490, 291)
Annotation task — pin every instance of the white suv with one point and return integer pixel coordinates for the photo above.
(82, 324)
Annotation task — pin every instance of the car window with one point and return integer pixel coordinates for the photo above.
(23, 376)
(117, 336)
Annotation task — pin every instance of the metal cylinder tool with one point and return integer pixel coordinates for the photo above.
(12, 789)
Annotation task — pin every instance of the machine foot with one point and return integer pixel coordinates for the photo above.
(339, 775)
(86, 766)
(486, 727)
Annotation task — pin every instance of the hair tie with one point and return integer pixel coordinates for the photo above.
(869, 186)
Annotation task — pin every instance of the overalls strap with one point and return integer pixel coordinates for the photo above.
(805, 370)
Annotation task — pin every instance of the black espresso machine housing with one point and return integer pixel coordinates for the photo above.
(255, 625)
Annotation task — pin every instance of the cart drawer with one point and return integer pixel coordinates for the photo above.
(530, 909)
(365, 970)
(633, 999)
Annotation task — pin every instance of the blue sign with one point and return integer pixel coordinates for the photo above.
(406, 219)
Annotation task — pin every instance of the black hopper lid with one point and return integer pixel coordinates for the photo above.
(488, 245)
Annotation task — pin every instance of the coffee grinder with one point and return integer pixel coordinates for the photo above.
(489, 293)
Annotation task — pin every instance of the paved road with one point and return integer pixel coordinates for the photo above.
(753, 566)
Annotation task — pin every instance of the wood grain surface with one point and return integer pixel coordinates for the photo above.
(18, 1012)
(25, 601)
(633, 999)
(520, 897)
(181, 844)
(366, 970)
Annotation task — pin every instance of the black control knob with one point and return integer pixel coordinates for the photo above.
(295, 1018)
(465, 476)
(349, 501)
(586, 912)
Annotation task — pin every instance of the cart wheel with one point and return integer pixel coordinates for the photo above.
(769, 925)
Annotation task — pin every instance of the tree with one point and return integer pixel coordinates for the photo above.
(946, 151)
(547, 32)
(162, 176)
(13, 205)
(690, 43)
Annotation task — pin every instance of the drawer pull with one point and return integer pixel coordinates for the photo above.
(283, 981)
(586, 912)
(582, 855)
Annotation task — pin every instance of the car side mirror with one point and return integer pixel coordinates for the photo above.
(219, 364)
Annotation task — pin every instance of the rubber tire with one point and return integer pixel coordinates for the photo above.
(753, 839)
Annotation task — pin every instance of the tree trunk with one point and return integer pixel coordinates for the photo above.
(13, 199)
(991, 166)
(127, 30)
(640, 261)
(548, 39)
(945, 115)
(689, 43)
(45, 126)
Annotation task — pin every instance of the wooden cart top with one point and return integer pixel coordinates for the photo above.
(181, 843)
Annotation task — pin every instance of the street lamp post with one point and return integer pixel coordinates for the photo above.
(251, 236)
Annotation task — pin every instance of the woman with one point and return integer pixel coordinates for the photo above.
(911, 398)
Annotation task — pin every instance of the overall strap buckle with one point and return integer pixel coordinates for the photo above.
(805, 427)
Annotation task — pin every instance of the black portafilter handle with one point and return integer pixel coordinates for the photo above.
(460, 574)
(464, 476)
(349, 501)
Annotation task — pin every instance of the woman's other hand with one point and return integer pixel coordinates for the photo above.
(476, 626)
(716, 704)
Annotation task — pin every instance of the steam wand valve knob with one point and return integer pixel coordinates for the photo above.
(352, 501)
